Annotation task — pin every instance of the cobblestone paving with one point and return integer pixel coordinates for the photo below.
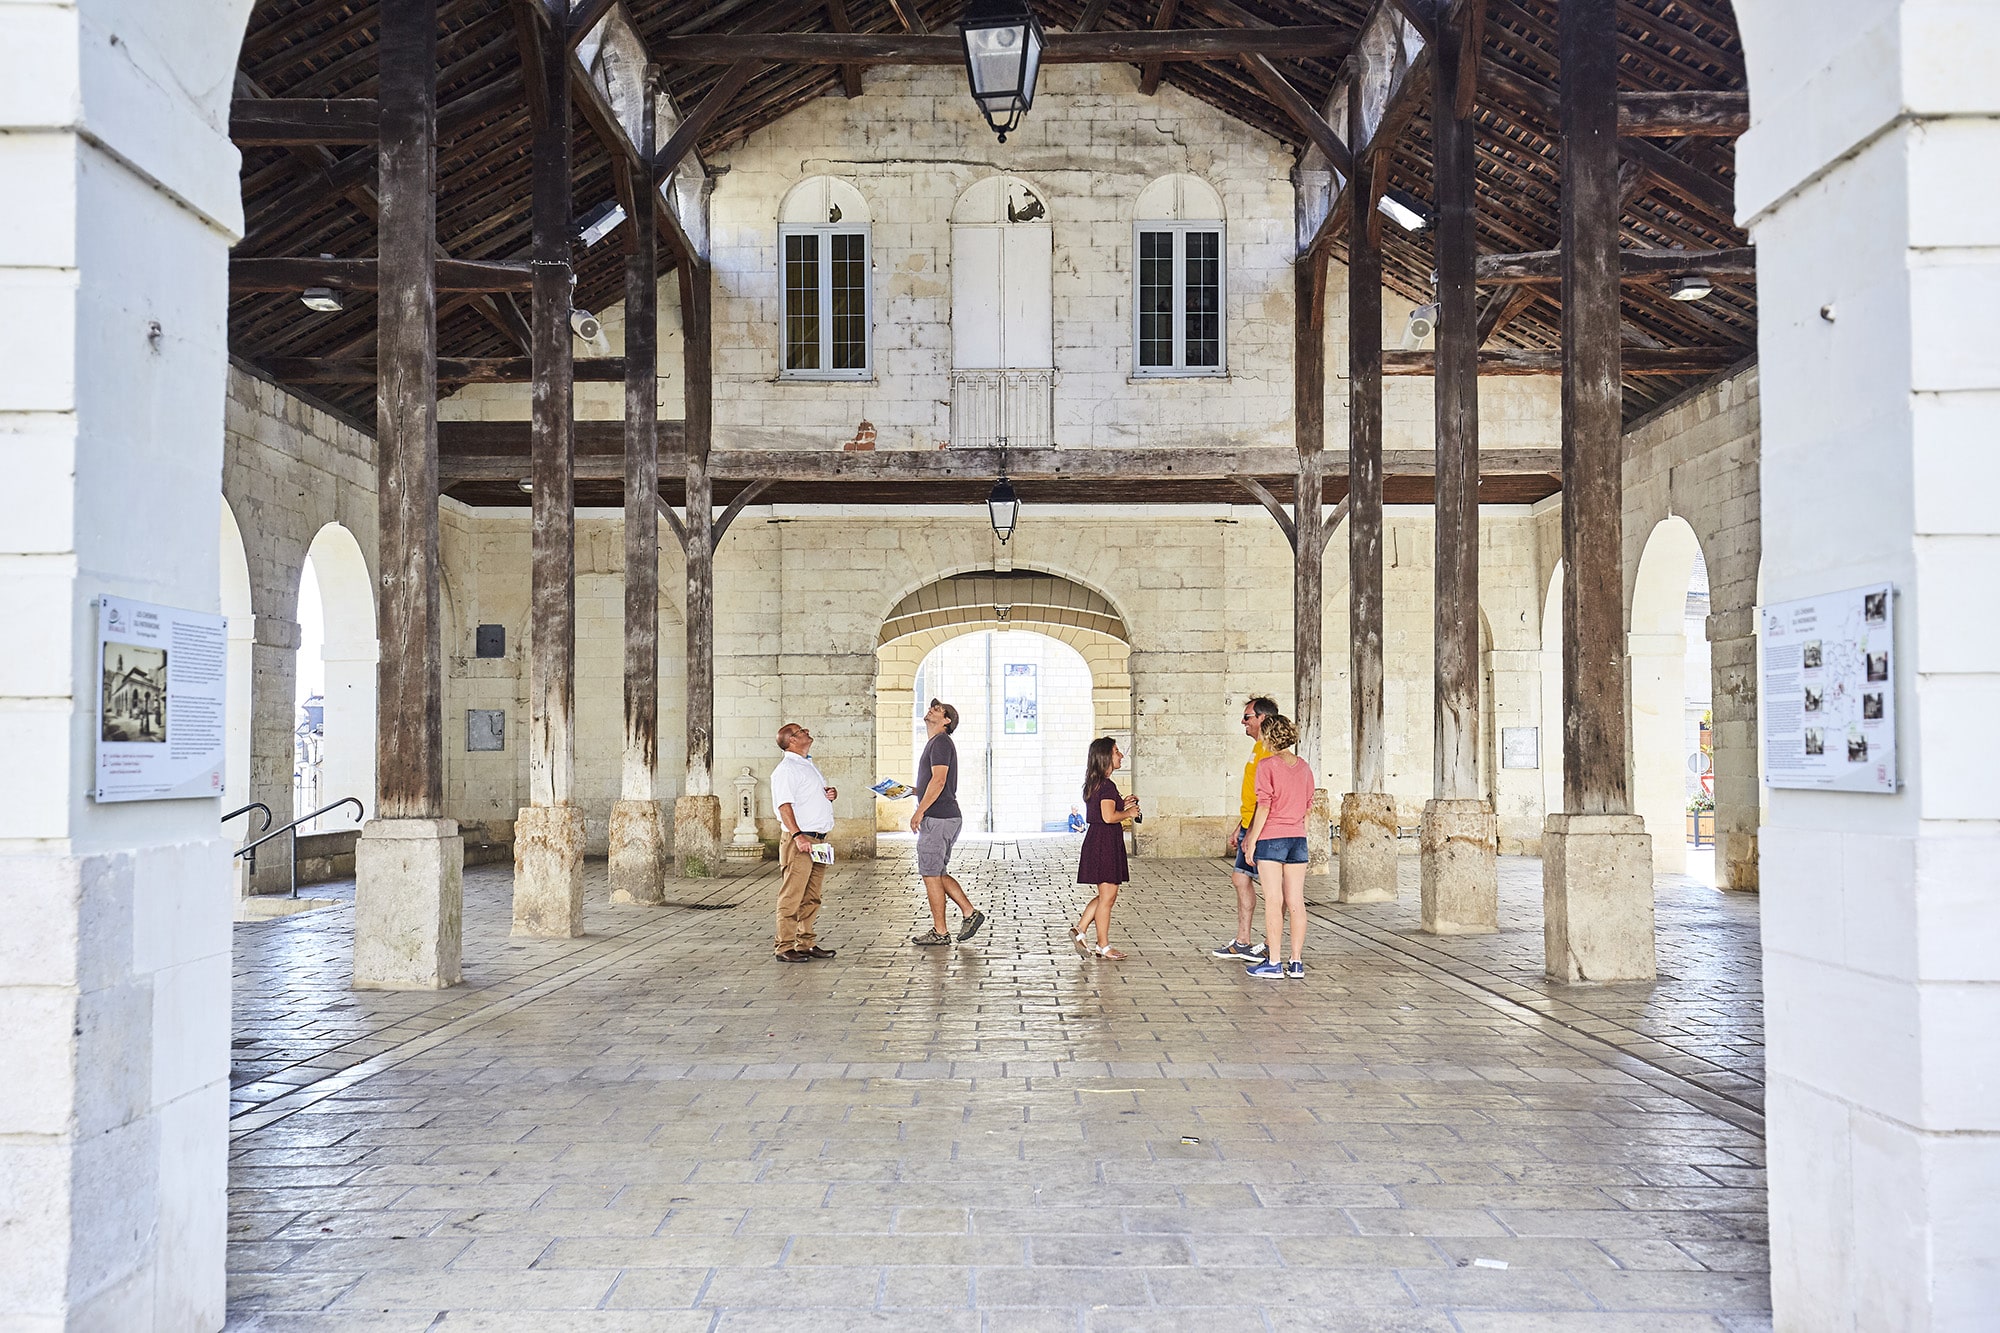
(657, 1127)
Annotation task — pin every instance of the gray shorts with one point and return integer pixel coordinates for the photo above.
(935, 839)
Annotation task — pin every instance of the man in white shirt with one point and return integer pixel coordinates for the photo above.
(805, 808)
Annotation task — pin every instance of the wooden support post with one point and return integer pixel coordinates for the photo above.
(638, 835)
(1367, 811)
(1460, 838)
(548, 833)
(1308, 546)
(698, 812)
(409, 858)
(1597, 880)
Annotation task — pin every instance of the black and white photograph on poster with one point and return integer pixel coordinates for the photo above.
(162, 684)
(134, 694)
(1827, 705)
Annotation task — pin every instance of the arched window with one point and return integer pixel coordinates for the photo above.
(828, 297)
(1178, 321)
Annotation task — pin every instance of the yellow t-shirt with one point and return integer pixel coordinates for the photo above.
(1259, 752)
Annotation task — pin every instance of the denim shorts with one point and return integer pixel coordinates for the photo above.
(1242, 846)
(1291, 851)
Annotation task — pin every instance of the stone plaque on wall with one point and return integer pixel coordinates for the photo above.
(485, 729)
(1520, 747)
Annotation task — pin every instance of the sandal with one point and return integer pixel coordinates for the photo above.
(1106, 951)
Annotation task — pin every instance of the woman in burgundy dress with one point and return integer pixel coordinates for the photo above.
(1106, 814)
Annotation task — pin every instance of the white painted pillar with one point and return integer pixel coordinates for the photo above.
(118, 204)
(1871, 184)
(1658, 669)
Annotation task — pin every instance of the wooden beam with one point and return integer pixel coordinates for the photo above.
(296, 273)
(450, 369)
(1685, 179)
(1087, 21)
(697, 121)
(1500, 308)
(1713, 114)
(1150, 72)
(265, 121)
(531, 19)
(583, 18)
(694, 842)
(1301, 111)
(1402, 96)
(1364, 493)
(909, 16)
(1111, 47)
(1331, 522)
(1593, 682)
(1308, 547)
(675, 523)
(736, 506)
(1517, 361)
(1545, 266)
(1421, 17)
(1262, 494)
(409, 710)
(640, 771)
(850, 75)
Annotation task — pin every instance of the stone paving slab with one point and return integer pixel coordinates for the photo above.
(658, 1127)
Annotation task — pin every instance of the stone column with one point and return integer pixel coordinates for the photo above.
(893, 711)
(548, 832)
(1597, 862)
(1732, 658)
(274, 711)
(409, 861)
(1460, 838)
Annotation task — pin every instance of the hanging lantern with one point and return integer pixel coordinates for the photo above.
(1003, 53)
(1004, 508)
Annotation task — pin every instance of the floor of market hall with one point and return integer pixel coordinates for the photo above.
(659, 1127)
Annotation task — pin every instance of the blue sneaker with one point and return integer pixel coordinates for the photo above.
(1264, 969)
(1296, 970)
(1238, 949)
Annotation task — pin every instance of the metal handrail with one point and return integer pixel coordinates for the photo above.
(249, 849)
(254, 805)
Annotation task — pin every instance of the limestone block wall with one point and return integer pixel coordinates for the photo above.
(1699, 460)
(288, 470)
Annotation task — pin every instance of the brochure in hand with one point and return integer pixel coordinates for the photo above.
(893, 790)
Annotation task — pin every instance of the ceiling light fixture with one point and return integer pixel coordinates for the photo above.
(323, 299)
(1003, 54)
(1689, 287)
(600, 222)
(1423, 323)
(1400, 210)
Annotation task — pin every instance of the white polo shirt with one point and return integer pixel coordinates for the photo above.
(797, 782)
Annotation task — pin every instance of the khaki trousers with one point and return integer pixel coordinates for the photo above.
(798, 897)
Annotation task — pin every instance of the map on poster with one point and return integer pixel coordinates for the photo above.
(1829, 694)
(163, 678)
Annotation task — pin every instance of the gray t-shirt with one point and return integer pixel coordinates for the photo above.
(940, 753)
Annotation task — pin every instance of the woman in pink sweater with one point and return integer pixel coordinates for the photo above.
(1278, 835)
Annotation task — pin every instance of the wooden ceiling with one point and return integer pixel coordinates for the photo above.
(319, 200)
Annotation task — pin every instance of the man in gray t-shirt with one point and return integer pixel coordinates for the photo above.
(937, 822)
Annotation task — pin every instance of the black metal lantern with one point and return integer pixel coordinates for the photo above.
(1004, 508)
(1003, 53)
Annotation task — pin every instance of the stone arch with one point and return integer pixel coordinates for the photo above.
(1179, 197)
(350, 652)
(1656, 672)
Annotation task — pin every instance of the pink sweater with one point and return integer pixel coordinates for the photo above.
(1285, 785)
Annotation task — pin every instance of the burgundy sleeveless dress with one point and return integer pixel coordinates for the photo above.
(1103, 860)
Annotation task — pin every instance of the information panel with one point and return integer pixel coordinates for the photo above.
(163, 677)
(1829, 693)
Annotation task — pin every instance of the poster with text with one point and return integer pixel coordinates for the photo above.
(1021, 699)
(163, 677)
(1829, 694)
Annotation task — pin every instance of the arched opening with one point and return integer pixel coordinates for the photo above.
(337, 657)
(1667, 651)
(242, 638)
(1070, 681)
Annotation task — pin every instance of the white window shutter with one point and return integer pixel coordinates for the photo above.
(1027, 285)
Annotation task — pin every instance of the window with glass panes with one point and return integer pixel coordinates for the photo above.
(826, 302)
(1178, 303)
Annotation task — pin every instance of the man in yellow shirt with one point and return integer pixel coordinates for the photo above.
(1244, 874)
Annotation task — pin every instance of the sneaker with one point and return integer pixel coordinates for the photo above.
(970, 926)
(1265, 969)
(932, 936)
(1296, 970)
(1238, 949)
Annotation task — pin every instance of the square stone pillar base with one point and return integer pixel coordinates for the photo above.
(1461, 872)
(548, 871)
(639, 853)
(1319, 834)
(697, 836)
(1597, 898)
(1367, 847)
(409, 877)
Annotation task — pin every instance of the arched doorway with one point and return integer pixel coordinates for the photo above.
(1667, 654)
(1028, 605)
(343, 668)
